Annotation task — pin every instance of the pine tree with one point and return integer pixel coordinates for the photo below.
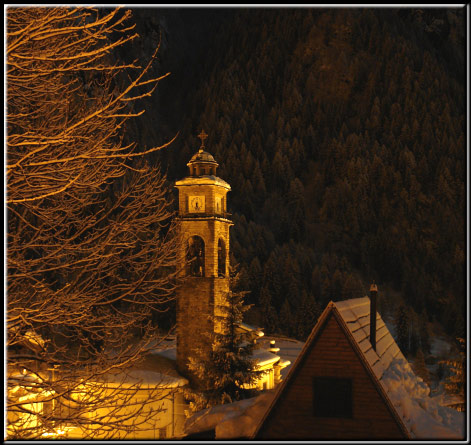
(230, 371)
(353, 158)
(270, 317)
(286, 318)
(420, 368)
(424, 333)
(306, 316)
(455, 381)
(402, 329)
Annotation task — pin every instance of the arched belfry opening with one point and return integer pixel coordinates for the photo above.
(195, 256)
(221, 258)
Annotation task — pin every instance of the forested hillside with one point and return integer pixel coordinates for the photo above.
(342, 134)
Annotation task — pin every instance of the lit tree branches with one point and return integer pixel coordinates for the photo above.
(91, 254)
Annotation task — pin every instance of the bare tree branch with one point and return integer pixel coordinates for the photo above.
(91, 254)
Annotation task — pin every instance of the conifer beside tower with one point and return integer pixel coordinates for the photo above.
(204, 256)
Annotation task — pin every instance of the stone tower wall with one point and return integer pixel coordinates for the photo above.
(196, 302)
(200, 298)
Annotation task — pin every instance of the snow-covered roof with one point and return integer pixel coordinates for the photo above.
(169, 352)
(30, 339)
(289, 351)
(422, 415)
(157, 369)
(284, 363)
(146, 379)
(264, 358)
(261, 356)
(356, 314)
(249, 328)
(20, 380)
(202, 180)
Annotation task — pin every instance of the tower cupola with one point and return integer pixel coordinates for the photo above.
(202, 163)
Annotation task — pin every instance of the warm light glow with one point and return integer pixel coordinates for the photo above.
(57, 432)
(36, 397)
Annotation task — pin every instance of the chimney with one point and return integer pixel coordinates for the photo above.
(373, 293)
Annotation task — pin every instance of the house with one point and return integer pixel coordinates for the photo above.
(146, 400)
(351, 381)
(204, 265)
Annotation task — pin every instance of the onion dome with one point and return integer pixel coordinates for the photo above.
(202, 163)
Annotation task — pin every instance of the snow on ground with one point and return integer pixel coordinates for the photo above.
(440, 347)
(232, 420)
(424, 416)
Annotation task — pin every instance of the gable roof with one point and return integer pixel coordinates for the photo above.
(356, 328)
(387, 367)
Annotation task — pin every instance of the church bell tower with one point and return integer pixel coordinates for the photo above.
(204, 258)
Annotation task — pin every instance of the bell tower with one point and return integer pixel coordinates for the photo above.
(204, 256)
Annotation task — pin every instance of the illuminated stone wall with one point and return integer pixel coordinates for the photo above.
(197, 299)
(200, 298)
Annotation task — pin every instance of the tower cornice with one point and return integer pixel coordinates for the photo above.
(204, 216)
(202, 180)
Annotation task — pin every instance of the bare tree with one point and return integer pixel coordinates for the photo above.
(91, 254)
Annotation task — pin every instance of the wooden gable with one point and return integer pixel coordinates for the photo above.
(331, 355)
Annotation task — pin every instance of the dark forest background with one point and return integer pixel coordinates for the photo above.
(342, 134)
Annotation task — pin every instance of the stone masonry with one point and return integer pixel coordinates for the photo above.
(199, 297)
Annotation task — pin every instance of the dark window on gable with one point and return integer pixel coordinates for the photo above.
(332, 397)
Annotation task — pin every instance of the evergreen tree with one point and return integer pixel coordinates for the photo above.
(359, 167)
(286, 318)
(420, 368)
(401, 323)
(306, 316)
(424, 333)
(456, 378)
(230, 371)
(270, 316)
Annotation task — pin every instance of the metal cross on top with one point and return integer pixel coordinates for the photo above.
(202, 136)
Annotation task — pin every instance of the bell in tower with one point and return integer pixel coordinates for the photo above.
(204, 256)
